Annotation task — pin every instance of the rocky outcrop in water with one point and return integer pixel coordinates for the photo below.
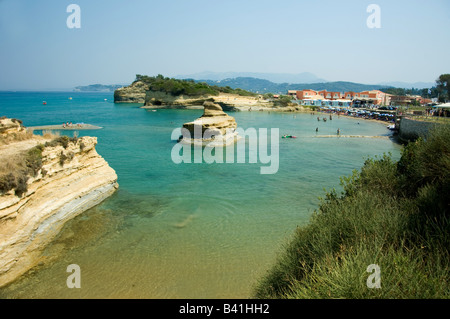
(214, 127)
(72, 178)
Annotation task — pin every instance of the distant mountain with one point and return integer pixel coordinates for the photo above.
(304, 77)
(264, 86)
(405, 85)
(98, 88)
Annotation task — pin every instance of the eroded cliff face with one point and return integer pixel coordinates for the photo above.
(228, 102)
(134, 93)
(213, 128)
(10, 127)
(72, 179)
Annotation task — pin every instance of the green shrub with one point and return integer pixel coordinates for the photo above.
(62, 141)
(7, 182)
(33, 160)
(62, 158)
(22, 186)
(65, 157)
(283, 101)
(70, 156)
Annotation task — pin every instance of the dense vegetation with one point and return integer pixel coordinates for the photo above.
(443, 87)
(393, 214)
(283, 101)
(190, 88)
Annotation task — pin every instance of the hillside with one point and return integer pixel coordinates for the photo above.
(264, 86)
(304, 77)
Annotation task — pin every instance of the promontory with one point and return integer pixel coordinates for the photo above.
(162, 92)
(44, 182)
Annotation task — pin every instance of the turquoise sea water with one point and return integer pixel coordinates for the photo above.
(187, 230)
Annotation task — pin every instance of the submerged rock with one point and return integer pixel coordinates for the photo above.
(213, 128)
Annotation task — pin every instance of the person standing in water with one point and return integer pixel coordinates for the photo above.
(338, 131)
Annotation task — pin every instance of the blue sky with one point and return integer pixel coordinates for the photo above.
(119, 39)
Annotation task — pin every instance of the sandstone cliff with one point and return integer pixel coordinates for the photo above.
(228, 102)
(134, 93)
(220, 126)
(73, 177)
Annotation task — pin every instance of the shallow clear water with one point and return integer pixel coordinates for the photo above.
(187, 230)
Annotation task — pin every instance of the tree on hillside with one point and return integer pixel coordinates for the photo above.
(443, 85)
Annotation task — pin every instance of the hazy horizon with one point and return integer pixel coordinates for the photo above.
(118, 40)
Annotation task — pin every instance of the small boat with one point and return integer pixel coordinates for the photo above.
(289, 136)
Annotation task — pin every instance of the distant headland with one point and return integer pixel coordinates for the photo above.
(97, 88)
